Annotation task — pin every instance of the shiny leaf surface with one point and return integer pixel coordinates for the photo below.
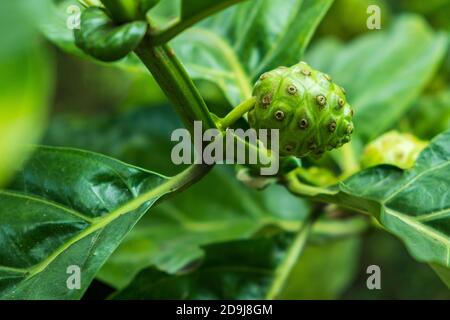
(68, 208)
(412, 204)
(100, 38)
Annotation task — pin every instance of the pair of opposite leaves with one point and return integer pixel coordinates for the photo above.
(111, 33)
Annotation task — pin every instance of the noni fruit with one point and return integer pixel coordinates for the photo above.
(310, 111)
(394, 148)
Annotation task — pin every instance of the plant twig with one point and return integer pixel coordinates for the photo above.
(295, 250)
(302, 189)
(176, 83)
(235, 114)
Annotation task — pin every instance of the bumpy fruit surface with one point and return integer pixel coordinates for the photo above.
(310, 111)
(398, 149)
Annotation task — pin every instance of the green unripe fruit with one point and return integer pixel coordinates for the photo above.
(394, 148)
(310, 111)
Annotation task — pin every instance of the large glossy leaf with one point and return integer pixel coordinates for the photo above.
(234, 47)
(383, 72)
(413, 204)
(68, 208)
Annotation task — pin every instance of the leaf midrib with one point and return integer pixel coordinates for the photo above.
(413, 179)
(423, 229)
(102, 222)
(48, 203)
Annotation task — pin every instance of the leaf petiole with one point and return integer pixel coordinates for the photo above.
(235, 114)
(297, 187)
(295, 250)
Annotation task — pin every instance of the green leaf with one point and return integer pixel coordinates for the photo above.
(246, 269)
(414, 204)
(26, 83)
(26, 73)
(443, 273)
(383, 72)
(233, 48)
(70, 207)
(233, 270)
(102, 39)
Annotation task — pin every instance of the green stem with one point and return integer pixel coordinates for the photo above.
(121, 10)
(176, 84)
(332, 195)
(237, 112)
(180, 24)
(297, 187)
(295, 250)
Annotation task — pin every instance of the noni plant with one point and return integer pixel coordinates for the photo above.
(126, 99)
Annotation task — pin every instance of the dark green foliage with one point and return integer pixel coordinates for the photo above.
(102, 39)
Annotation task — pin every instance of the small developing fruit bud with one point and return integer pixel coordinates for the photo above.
(310, 111)
(394, 148)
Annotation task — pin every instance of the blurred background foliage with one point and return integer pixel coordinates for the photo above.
(51, 97)
(26, 70)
